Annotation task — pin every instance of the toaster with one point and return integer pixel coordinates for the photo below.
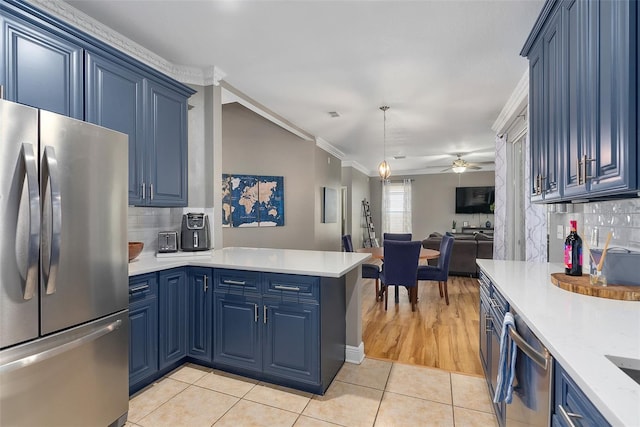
(167, 241)
(195, 232)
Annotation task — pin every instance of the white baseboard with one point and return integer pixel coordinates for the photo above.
(354, 354)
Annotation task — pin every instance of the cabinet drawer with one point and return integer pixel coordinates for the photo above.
(292, 286)
(143, 286)
(236, 281)
(574, 401)
(498, 302)
(485, 283)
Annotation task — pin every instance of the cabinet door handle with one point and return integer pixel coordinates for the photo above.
(264, 314)
(586, 160)
(144, 190)
(138, 289)
(1, 92)
(568, 415)
(255, 313)
(205, 283)
(150, 191)
(487, 322)
(234, 282)
(578, 170)
(286, 288)
(542, 186)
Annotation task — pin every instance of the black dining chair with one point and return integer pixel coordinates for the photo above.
(400, 268)
(403, 237)
(369, 271)
(440, 272)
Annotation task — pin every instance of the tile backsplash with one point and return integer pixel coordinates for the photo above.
(144, 224)
(595, 221)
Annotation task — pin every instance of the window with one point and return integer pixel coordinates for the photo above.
(396, 207)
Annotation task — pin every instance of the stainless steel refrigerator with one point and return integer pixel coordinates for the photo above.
(64, 328)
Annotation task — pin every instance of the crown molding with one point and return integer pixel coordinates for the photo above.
(326, 146)
(67, 13)
(514, 105)
(357, 166)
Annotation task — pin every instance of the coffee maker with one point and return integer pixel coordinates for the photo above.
(195, 232)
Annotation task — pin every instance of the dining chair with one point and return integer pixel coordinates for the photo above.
(403, 237)
(369, 271)
(440, 272)
(400, 268)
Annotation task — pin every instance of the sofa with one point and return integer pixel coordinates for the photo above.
(466, 249)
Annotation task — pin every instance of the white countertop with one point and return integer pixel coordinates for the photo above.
(578, 330)
(291, 261)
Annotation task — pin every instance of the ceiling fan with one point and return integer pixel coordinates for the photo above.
(460, 165)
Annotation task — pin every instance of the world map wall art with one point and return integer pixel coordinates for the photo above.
(252, 201)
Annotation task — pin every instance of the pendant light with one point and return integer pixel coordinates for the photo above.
(383, 168)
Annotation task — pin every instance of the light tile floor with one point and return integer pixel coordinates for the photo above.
(374, 393)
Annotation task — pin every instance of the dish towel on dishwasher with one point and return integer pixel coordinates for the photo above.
(507, 362)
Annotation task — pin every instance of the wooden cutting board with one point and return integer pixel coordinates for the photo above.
(580, 285)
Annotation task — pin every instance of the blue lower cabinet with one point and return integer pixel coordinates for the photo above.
(238, 337)
(143, 332)
(172, 333)
(200, 304)
(572, 407)
(292, 340)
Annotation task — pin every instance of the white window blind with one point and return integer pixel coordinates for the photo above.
(396, 207)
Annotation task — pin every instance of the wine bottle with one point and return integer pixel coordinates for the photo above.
(573, 252)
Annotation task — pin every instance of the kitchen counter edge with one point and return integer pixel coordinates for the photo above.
(578, 330)
(287, 261)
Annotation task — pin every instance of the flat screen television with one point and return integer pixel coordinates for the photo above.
(471, 200)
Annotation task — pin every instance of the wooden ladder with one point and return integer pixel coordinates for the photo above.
(369, 236)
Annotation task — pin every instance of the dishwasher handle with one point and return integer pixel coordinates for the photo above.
(541, 359)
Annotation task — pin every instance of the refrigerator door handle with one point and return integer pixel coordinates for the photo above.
(30, 359)
(50, 176)
(31, 172)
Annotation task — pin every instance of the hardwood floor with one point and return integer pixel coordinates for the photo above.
(437, 335)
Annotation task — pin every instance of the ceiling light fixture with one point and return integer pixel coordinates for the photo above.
(459, 169)
(383, 168)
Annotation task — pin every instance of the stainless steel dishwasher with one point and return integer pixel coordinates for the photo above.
(532, 387)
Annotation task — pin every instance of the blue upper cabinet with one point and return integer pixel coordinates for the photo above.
(114, 99)
(583, 77)
(48, 64)
(40, 68)
(545, 106)
(610, 160)
(166, 127)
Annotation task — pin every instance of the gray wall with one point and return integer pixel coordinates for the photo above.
(433, 201)
(328, 173)
(357, 186)
(253, 145)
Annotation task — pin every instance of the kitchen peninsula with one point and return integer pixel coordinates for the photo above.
(582, 333)
(284, 316)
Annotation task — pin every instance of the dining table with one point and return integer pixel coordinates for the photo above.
(378, 253)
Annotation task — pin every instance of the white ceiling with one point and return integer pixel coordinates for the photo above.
(446, 68)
